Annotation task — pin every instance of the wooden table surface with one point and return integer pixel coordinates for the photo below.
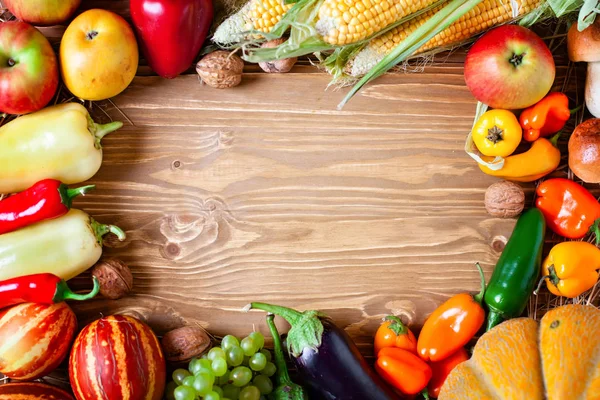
(266, 192)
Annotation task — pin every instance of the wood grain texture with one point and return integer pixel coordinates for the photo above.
(266, 193)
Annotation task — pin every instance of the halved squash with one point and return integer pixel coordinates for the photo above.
(556, 359)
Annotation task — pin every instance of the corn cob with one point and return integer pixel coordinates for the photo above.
(255, 15)
(344, 22)
(482, 17)
(321, 25)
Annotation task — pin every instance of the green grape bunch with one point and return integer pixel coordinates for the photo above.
(237, 370)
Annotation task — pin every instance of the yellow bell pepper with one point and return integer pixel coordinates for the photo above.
(497, 133)
(571, 268)
(60, 142)
(541, 159)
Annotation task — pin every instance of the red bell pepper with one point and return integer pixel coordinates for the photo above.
(171, 32)
(46, 199)
(570, 209)
(546, 117)
(40, 288)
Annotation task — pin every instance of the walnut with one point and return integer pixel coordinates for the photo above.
(115, 278)
(277, 66)
(504, 199)
(183, 344)
(220, 69)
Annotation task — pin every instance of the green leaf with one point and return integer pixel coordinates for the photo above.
(562, 7)
(587, 14)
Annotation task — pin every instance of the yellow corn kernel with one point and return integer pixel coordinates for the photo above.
(259, 15)
(361, 18)
(482, 17)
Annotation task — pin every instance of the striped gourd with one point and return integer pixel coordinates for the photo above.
(117, 358)
(35, 339)
(485, 15)
(32, 391)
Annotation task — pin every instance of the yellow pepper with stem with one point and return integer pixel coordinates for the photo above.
(541, 159)
(497, 133)
(60, 142)
(571, 268)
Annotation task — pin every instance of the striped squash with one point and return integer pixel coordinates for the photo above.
(34, 339)
(32, 391)
(117, 358)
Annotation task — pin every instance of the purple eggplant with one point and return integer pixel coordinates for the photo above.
(329, 364)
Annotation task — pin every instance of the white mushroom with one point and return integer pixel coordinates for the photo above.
(585, 46)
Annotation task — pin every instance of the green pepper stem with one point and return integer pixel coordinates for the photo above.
(573, 111)
(479, 297)
(67, 195)
(104, 129)
(291, 316)
(425, 394)
(494, 318)
(101, 229)
(63, 292)
(397, 326)
(539, 285)
(595, 229)
(282, 372)
(554, 139)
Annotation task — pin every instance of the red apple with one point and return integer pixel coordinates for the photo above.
(510, 67)
(42, 12)
(28, 69)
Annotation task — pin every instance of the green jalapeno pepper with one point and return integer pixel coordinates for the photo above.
(517, 270)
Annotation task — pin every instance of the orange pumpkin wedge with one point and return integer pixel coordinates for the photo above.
(558, 358)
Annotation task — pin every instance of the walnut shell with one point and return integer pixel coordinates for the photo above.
(504, 199)
(277, 66)
(220, 69)
(183, 344)
(115, 278)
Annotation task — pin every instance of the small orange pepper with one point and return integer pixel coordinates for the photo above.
(452, 325)
(441, 369)
(546, 117)
(403, 370)
(393, 333)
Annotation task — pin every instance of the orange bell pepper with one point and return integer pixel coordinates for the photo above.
(571, 268)
(393, 333)
(452, 325)
(441, 369)
(403, 370)
(546, 117)
(570, 209)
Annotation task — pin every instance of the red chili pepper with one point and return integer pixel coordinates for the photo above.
(40, 288)
(570, 209)
(546, 117)
(46, 199)
(403, 370)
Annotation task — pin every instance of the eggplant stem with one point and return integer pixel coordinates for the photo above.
(282, 372)
(292, 316)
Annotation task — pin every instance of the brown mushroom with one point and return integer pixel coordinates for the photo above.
(585, 46)
(584, 151)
